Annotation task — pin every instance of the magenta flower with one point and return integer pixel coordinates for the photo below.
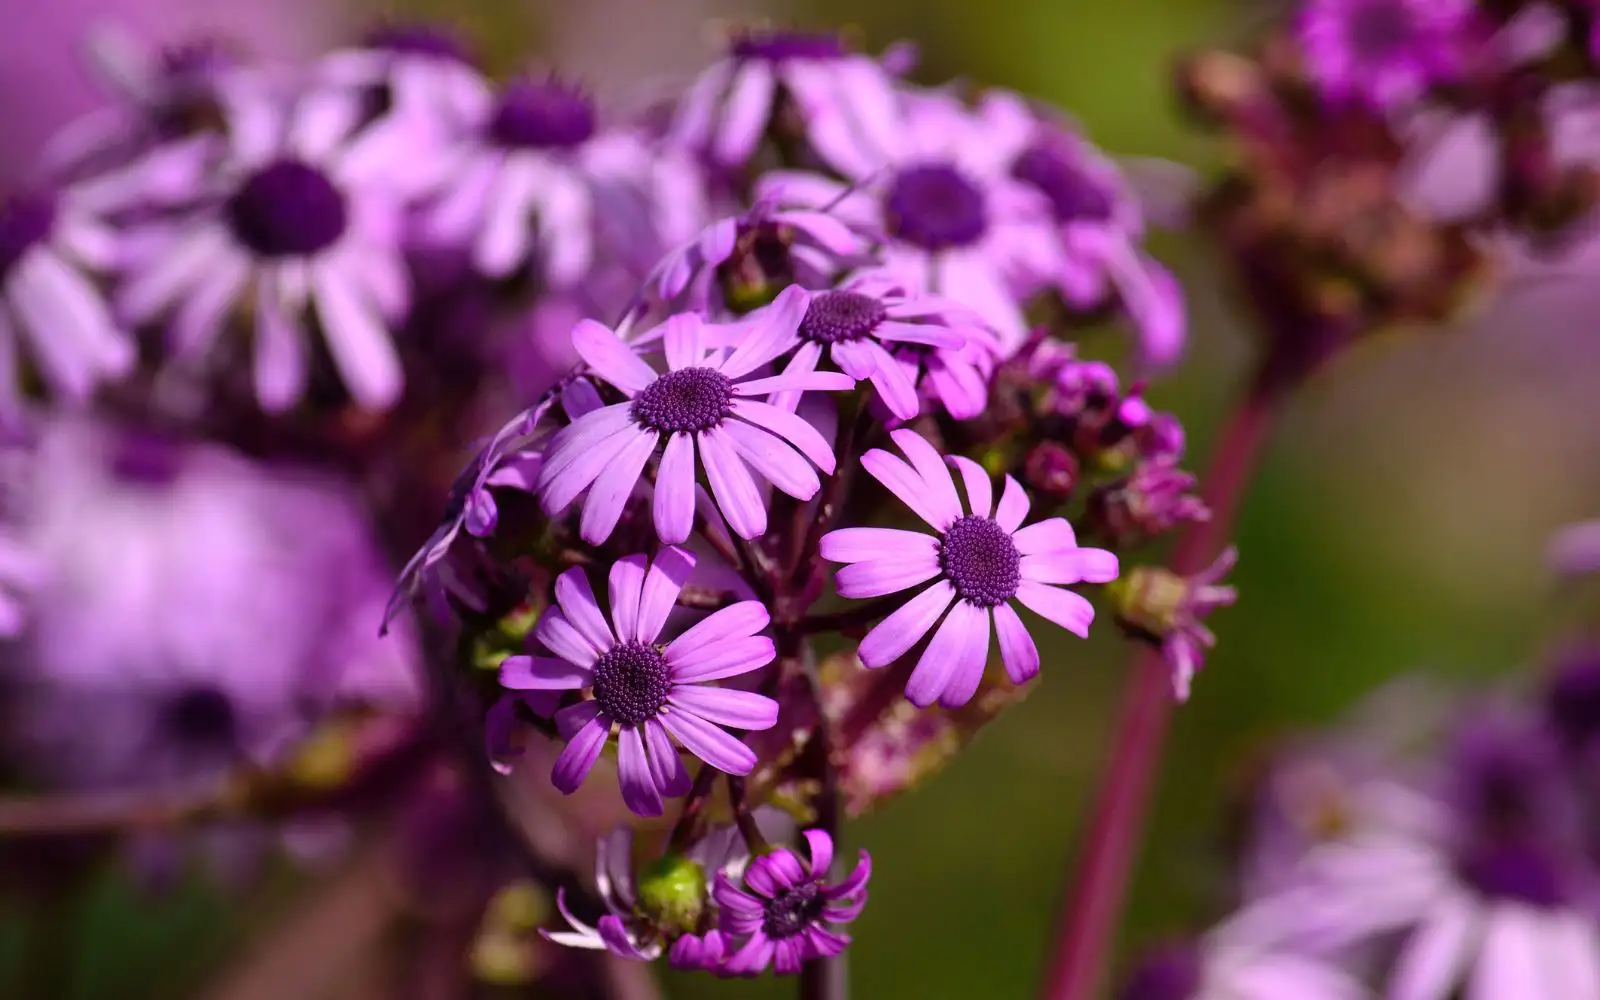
(979, 563)
(295, 224)
(781, 911)
(938, 185)
(1575, 549)
(423, 72)
(1387, 53)
(646, 690)
(1100, 228)
(49, 248)
(878, 333)
(704, 403)
(834, 91)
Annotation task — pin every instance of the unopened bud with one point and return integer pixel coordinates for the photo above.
(672, 894)
(1051, 470)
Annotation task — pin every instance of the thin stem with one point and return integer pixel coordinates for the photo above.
(1099, 881)
(746, 821)
(687, 829)
(824, 978)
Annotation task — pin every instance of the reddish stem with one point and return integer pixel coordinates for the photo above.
(1100, 878)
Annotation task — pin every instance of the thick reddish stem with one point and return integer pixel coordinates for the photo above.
(1100, 878)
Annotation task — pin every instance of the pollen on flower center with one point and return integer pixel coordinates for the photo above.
(1073, 195)
(26, 220)
(689, 399)
(934, 207)
(792, 910)
(200, 717)
(631, 682)
(839, 316)
(1515, 872)
(542, 114)
(776, 46)
(287, 208)
(980, 559)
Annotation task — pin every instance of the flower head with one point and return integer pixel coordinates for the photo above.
(646, 690)
(296, 224)
(980, 560)
(1170, 610)
(937, 185)
(705, 403)
(50, 250)
(780, 912)
(1386, 53)
(828, 91)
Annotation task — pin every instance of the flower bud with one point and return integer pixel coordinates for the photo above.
(672, 894)
(1051, 470)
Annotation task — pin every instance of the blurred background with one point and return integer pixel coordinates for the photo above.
(1399, 525)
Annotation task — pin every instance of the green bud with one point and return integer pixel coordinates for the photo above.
(672, 894)
(1149, 599)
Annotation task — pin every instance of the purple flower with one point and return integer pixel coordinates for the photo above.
(1222, 970)
(879, 334)
(20, 572)
(1099, 226)
(1575, 549)
(49, 249)
(938, 185)
(745, 260)
(1387, 53)
(834, 92)
(1149, 502)
(781, 910)
(979, 563)
(1170, 610)
(295, 223)
(645, 689)
(704, 403)
(422, 72)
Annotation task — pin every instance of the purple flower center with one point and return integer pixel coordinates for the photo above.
(424, 40)
(839, 316)
(200, 718)
(544, 114)
(980, 559)
(1074, 196)
(689, 399)
(1171, 974)
(1380, 28)
(777, 46)
(791, 911)
(26, 220)
(631, 682)
(288, 208)
(934, 207)
(1516, 872)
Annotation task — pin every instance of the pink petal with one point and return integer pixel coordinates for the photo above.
(709, 743)
(775, 329)
(582, 610)
(639, 790)
(980, 489)
(1017, 650)
(1072, 612)
(737, 621)
(660, 590)
(610, 358)
(895, 387)
(791, 428)
(796, 382)
(581, 437)
(849, 545)
(819, 847)
(728, 658)
(674, 500)
(1430, 964)
(561, 638)
(933, 470)
(1013, 506)
(666, 767)
(543, 673)
(736, 493)
(682, 338)
(885, 576)
(747, 107)
(726, 706)
(949, 655)
(565, 483)
(1050, 535)
(1076, 566)
(773, 458)
(623, 584)
(890, 639)
(578, 756)
(898, 478)
(930, 334)
(614, 486)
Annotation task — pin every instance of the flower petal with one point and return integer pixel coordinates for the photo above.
(1053, 534)
(571, 478)
(666, 767)
(561, 638)
(736, 621)
(726, 658)
(612, 489)
(849, 545)
(709, 743)
(736, 493)
(1075, 566)
(543, 673)
(774, 330)
(890, 639)
(610, 358)
(796, 382)
(901, 480)
(980, 489)
(662, 584)
(623, 584)
(820, 850)
(639, 791)
(582, 610)
(948, 654)
(674, 500)
(682, 336)
(885, 576)
(1072, 612)
(791, 428)
(1013, 506)
(578, 756)
(726, 706)
(774, 458)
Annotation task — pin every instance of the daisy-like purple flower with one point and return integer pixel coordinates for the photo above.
(49, 250)
(835, 92)
(937, 184)
(645, 689)
(1386, 53)
(1100, 227)
(704, 404)
(880, 334)
(1220, 970)
(980, 560)
(781, 911)
(297, 222)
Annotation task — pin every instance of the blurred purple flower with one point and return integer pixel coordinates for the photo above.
(50, 250)
(979, 564)
(647, 691)
(1100, 226)
(1575, 549)
(295, 222)
(703, 403)
(781, 911)
(1218, 970)
(423, 74)
(937, 182)
(836, 94)
(1387, 53)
